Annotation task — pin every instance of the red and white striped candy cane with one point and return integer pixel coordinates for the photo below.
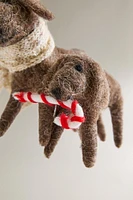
(67, 122)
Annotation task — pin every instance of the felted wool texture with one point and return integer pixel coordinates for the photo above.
(5, 78)
(38, 8)
(18, 18)
(29, 51)
(92, 87)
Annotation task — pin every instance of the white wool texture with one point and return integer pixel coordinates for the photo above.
(28, 52)
(5, 79)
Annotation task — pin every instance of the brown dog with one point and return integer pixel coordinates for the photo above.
(77, 77)
(81, 78)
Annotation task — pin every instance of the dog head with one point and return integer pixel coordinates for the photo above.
(67, 78)
(18, 18)
(75, 77)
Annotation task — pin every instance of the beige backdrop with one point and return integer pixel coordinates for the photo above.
(105, 30)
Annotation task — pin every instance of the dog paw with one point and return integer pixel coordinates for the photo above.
(89, 164)
(47, 151)
(118, 141)
(44, 140)
(3, 127)
(1, 133)
(102, 137)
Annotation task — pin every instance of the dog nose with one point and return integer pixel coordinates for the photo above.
(57, 93)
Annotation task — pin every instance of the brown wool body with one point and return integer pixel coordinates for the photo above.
(93, 87)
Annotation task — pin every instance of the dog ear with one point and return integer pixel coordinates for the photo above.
(39, 9)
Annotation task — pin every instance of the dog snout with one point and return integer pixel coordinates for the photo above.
(57, 93)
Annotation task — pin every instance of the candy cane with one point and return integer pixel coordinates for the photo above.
(67, 122)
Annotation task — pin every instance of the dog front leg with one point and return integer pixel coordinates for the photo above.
(55, 136)
(88, 135)
(45, 123)
(101, 129)
(12, 109)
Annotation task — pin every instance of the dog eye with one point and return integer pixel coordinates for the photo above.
(79, 68)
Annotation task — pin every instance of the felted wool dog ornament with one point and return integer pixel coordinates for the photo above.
(81, 78)
(27, 55)
(71, 77)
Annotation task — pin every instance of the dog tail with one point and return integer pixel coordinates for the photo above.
(116, 110)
